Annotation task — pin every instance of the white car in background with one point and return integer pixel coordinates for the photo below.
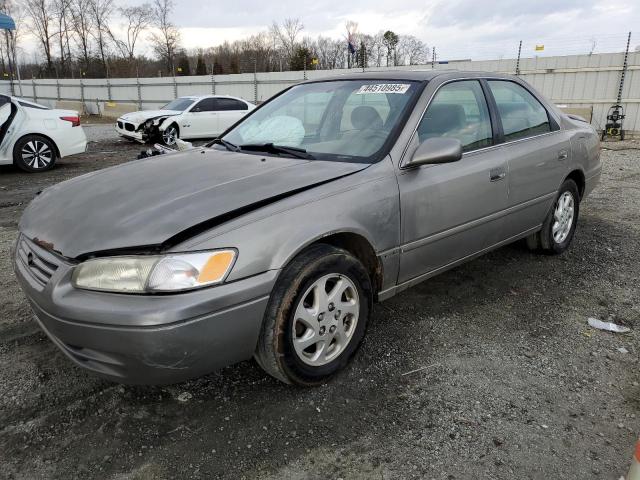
(185, 117)
(33, 137)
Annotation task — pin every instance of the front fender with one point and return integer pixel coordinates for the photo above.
(365, 203)
(168, 121)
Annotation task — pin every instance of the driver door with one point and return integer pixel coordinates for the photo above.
(451, 211)
(203, 119)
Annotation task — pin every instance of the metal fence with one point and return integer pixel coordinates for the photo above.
(578, 81)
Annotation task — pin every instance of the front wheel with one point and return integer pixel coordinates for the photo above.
(560, 225)
(316, 317)
(170, 135)
(34, 153)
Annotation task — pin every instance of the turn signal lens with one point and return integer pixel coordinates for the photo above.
(148, 274)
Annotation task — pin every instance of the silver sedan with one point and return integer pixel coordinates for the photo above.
(275, 240)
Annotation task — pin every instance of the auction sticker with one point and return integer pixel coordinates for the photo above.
(383, 88)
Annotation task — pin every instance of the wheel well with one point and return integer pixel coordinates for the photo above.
(360, 248)
(578, 177)
(55, 145)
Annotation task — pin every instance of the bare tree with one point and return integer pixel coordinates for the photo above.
(287, 35)
(138, 19)
(60, 14)
(412, 51)
(10, 45)
(165, 41)
(39, 13)
(82, 24)
(101, 13)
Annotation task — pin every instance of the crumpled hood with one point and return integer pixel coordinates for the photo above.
(147, 202)
(142, 116)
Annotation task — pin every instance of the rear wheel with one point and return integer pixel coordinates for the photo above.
(316, 318)
(34, 153)
(560, 225)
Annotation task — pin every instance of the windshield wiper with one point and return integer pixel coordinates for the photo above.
(271, 148)
(228, 145)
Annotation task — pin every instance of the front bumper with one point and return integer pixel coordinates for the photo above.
(143, 339)
(135, 135)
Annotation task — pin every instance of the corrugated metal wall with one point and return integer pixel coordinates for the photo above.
(575, 81)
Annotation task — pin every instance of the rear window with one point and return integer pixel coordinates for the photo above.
(32, 105)
(521, 113)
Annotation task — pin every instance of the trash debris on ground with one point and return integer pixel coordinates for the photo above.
(184, 397)
(623, 350)
(607, 326)
(161, 149)
(420, 369)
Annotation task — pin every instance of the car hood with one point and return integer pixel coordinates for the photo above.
(145, 203)
(142, 116)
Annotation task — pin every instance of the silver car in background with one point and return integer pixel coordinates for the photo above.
(275, 240)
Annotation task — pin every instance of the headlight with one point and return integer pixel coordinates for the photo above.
(154, 273)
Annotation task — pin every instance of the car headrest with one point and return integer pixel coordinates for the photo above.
(364, 117)
(442, 118)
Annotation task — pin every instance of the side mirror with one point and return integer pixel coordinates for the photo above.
(436, 150)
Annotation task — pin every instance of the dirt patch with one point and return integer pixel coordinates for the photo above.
(507, 381)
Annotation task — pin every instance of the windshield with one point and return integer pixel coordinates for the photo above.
(180, 104)
(336, 120)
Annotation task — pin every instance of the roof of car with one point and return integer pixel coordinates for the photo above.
(200, 97)
(415, 75)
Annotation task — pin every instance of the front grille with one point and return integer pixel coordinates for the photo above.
(39, 264)
(129, 127)
(120, 125)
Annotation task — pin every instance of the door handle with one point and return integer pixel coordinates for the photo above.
(497, 174)
(563, 155)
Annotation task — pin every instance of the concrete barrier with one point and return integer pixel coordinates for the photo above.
(117, 109)
(584, 112)
(71, 105)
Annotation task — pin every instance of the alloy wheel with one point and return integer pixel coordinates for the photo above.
(36, 154)
(170, 135)
(563, 217)
(325, 319)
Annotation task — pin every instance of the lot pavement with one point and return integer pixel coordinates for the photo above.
(487, 371)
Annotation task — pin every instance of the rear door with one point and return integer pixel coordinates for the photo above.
(537, 151)
(230, 110)
(452, 211)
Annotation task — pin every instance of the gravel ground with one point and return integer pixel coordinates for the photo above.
(487, 371)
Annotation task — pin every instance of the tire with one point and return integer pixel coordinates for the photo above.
(560, 225)
(170, 134)
(336, 333)
(34, 153)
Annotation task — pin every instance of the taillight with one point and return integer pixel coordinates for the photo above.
(75, 121)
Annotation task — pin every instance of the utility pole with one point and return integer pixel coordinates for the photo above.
(518, 61)
(624, 70)
(433, 58)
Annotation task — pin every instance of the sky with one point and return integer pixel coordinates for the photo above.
(476, 29)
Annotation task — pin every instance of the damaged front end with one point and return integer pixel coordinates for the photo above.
(147, 131)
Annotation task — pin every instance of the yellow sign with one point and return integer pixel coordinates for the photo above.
(179, 69)
(314, 61)
(539, 48)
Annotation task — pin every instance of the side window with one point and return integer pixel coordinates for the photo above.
(205, 105)
(459, 110)
(226, 104)
(521, 113)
